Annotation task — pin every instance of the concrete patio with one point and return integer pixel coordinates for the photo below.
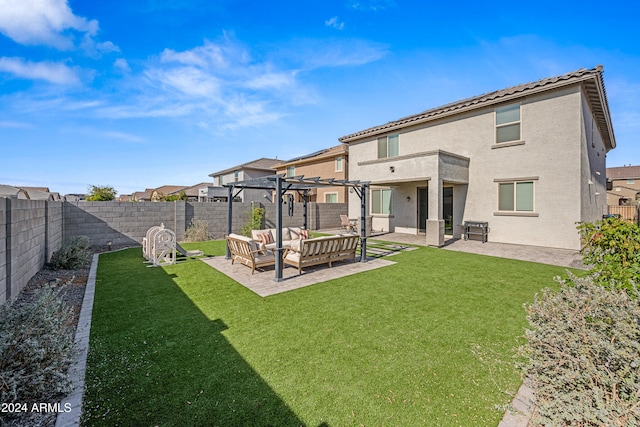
(262, 281)
(553, 256)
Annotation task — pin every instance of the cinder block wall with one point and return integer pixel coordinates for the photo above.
(31, 232)
(3, 250)
(121, 223)
(126, 223)
(54, 226)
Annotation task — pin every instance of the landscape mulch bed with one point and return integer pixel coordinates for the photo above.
(72, 284)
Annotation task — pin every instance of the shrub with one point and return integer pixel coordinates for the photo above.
(255, 222)
(612, 248)
(72, 256)
(584, 355)
(36, 348)
(198, 231)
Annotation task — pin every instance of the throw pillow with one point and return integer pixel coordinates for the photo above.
(304, 234)
(265, 238)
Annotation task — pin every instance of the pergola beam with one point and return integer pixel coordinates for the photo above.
(298, 183)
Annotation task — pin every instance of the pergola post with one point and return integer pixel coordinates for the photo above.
(229, 218)
(278, 251)
(304, 209)
(363, 222)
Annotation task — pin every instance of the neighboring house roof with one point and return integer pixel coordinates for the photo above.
(32, 193)
(143, 195)
(165, 190)
(263, 163)
(13, 192)
(342, 149)
(193, 190)
(624, 172)
(591, 78)
(38, 194)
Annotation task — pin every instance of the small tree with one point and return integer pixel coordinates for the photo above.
(174, 197)
(104, 193)
(255, 222)
(612, 248)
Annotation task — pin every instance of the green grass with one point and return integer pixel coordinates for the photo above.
(427, 341)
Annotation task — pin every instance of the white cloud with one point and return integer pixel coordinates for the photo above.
(335, 23)
(272, 80)
(53, 72)
(14, 125)
(42, 22)
(124, 136)
(189, 81)
(122, 65)
(210, 54)
(373, 5)
(337, 53)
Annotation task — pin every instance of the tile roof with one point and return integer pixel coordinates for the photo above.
(327, 152)
(193, 190)
(624, 172)
(263, 163)
(165, 190)
(594, 84)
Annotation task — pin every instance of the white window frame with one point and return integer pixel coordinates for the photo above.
(385, 140)
(506, 124)
(515, 209)
(330, 194)
(291, 171)
(236, 176)
(339, 164)
(378, 210)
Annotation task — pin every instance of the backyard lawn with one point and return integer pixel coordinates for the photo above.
(427, 341)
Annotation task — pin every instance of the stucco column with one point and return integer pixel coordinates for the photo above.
(435, 223)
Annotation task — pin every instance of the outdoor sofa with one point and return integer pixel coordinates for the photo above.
(247, 252)
(266, 239)
(321, 250)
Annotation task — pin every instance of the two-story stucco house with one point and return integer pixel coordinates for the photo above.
(251, 170)
(625, 185)
(529, 160)
(326, 164)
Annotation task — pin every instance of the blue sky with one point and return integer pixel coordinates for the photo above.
(139, 94)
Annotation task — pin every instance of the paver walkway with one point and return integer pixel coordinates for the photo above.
(263, 282)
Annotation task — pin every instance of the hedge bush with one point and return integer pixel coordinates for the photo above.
(612, 248)
(73, 255)
(198, 231)
(584, 355)
(36, 348)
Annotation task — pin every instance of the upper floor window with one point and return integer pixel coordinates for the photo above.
(331, 197)
(508, 123)
(388, 146)
(236, 176)
(515, 196)
(630, 181)
(291, 171)
(339, 164)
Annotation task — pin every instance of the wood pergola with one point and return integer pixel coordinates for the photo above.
(281, 184)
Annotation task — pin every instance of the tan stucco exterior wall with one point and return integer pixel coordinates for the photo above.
(324, 168)
(553, 154)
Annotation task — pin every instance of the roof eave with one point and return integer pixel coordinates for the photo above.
(604, 118)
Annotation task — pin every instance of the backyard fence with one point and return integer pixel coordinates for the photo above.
(630, 213)
(32, 230)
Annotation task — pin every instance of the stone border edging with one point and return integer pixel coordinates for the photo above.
(81, 344)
